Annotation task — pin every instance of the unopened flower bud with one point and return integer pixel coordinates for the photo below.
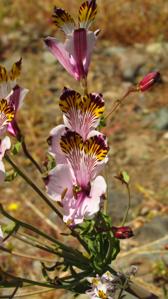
(122, 232)
(148, 81)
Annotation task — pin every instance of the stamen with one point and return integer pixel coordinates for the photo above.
(6, 113)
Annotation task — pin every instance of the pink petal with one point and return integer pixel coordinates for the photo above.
(59, 51)
(81, 114)
(1, 234)
(76, 210)
(91, 39)
(60, 178)
(54, 142)
(17, 96)
(2, 172)
(91, 204)
(13, 129)
(5, 144)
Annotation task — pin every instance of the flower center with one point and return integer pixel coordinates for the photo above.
(102, 295)
(78, 190)
(6, 113)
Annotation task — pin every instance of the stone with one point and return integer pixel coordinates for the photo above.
(155, 229)
(161, 119)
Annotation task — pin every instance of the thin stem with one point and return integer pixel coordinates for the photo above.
(42, 216)
(47, 249)
(32, 282)
(34, 229)
(123, 287)
(28, 294)
(32, 184)
(37, 258)
(118, 102)
(29, 156)
(14, 292)
(84, 85)
(129, 205)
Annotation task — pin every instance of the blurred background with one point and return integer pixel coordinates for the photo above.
(132, 43)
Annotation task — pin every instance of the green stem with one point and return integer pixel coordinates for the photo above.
(123, 288)
(28, 155)
(129, 205)
(25, 280)
(47, 249)
(34, 229)
(32, 184)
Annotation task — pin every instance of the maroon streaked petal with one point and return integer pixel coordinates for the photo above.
(59, 51)
(80, 50)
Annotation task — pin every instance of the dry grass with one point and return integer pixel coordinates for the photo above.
(123, 21)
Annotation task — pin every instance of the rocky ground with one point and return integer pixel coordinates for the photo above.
(138, 138)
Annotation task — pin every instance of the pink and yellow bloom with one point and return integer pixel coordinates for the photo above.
(102, 287)
(75, 53)
(11, 98)
(76, 184)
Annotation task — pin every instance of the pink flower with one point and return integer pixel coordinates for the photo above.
(149, 80)
(11, 98)
(102, 287)
(75, 53)
(5, 144)
(76, 183)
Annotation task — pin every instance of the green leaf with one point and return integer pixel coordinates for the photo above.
(7, 228)
(10, 175)
(102, 123)
(16, 148)
(126, 177)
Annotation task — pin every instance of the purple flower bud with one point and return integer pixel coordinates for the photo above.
(148, 81)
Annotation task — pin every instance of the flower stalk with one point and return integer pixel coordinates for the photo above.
(32, 184)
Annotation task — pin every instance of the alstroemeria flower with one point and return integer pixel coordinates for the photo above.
(75, 53)
(15, 100)
(5, 144)
(101, 287)
(7, 114)
(76, 183)
(8, 110)
(11, 98)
